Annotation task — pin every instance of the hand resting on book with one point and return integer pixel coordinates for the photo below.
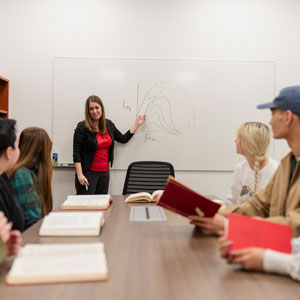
(214, 225)
(250, 258)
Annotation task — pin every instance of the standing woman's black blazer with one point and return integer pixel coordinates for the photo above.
(85, 143)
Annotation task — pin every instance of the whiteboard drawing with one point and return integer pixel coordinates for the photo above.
(158, 104)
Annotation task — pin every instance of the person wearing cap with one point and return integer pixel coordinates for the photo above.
(279, 201)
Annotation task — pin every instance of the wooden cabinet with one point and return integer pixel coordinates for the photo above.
(4, 86)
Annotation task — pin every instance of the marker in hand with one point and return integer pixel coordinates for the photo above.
(86, 187)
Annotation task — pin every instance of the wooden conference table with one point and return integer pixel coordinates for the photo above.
(154, 260)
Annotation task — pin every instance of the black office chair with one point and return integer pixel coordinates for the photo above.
(147, 176)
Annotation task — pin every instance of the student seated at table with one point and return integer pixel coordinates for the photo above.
(279, 201)
(31, 175)
(10, 240)
(258, 259)
(9, 153)
(252, 174)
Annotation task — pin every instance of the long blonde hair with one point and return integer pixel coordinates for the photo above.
(88, 121)
(35, 154)
(255, 139)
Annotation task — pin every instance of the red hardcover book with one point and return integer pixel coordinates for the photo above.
(246, 232)
(182, 200)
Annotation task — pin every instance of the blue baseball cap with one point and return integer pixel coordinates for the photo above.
(288, 99)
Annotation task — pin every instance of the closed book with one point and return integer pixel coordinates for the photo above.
(246, 232)
(182, 200)
(57, 263)
(72, 224)
(86, 202)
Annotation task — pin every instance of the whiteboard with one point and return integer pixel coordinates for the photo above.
(193, 107)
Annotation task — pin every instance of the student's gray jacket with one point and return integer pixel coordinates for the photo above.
(279, 201)
(85, 143)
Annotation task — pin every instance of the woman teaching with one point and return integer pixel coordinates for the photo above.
(93, 147)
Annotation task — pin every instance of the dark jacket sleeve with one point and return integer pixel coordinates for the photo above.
(84, 146)
(10, 205)
(78, 141)
(83, 142)
(117, 135)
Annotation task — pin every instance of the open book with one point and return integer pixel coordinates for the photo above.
(49, 263)
(72, 224)
(182, 200)
(144, 197)
(86, 202)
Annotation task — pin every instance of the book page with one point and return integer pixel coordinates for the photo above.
(221, 202)
(72, 220)
(87, 200)
(140, 195)
(156, 194)
(59, 261)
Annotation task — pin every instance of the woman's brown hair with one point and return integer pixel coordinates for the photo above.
(35, 154)
(88, 121)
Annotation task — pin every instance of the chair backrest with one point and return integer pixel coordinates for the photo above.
(147, 176)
